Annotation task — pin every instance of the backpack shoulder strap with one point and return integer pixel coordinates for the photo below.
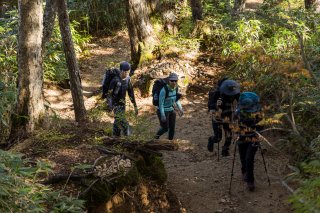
(166, 90)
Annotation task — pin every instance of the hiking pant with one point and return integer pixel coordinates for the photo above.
(218, 134)
(247, 151)
(170, 124)
(120, 121)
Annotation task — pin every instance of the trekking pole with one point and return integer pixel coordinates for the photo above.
(264, 163)
(234, 157)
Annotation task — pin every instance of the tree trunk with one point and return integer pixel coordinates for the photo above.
(153, 5)
(167, 10)
(142, 37)
(312, 4)
(134, 40)
(196, 7)
(30, 106)
(48, 21)
(72, 64)
(239, 6)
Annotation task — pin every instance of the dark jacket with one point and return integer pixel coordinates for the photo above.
(118, 90)
(248, 126)
(226, 107)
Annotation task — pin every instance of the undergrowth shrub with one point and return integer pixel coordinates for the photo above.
(98, 16)
(8, 67)
(307, 197)
(21, 191)
(173, 45)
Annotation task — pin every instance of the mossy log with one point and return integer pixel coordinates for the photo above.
(116, 169)
(154, 145)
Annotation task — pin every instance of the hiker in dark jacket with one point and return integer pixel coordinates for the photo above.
(119, 86)
(249, 115)
(165, 111)
(222, 104)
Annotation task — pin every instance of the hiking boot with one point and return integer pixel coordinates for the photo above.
(250, 186)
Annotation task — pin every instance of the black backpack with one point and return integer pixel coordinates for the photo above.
(157, 86)
(108, 76)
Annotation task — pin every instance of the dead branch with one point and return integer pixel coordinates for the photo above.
(114, 152)
(63, 177)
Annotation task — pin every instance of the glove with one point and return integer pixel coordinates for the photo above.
(181, 113)
(163, 119)
(136, 111)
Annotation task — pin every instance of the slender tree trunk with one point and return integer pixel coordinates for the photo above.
(72, 64)
(30, 105)
(196, 7)
(142, 37)
(49, 18)
(134, 40)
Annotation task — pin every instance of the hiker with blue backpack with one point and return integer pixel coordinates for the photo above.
(249, 115)
(222, 104)
(116, 85)
(165, 98)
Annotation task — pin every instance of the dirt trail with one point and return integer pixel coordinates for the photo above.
(194, 175)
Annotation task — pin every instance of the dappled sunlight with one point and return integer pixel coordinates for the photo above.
(184, 145)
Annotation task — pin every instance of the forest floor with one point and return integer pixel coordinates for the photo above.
(195, 176)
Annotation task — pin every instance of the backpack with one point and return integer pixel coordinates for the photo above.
(157, 86)
(107, 77)
(249, 102)
(249, 113)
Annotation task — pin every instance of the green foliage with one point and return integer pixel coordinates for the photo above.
(21, 192)
(8, 67)
(172, 45)
(49, 136)
(307, 197)
(55, 68)
(98, 16)
(185, 21)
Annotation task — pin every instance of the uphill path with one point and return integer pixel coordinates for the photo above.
(197, 178)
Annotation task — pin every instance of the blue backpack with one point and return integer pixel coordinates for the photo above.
(249, 102)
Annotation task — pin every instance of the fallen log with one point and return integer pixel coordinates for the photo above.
(154, 145)
(63, 177)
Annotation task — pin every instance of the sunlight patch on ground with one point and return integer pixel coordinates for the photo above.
(184, 144)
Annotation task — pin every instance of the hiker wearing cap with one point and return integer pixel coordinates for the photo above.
(120, 85)
(167, 100)
(221, 104)
(249, 115)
